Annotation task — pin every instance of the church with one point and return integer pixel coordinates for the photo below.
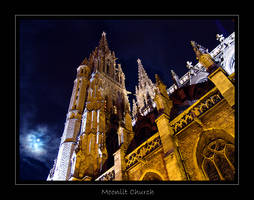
(184, 132)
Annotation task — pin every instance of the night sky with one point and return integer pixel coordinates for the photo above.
(50, 50)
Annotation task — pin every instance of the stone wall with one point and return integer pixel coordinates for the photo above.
(219, 118)
(153, 163)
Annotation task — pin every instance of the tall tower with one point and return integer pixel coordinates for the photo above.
(62, 165)
(145, 91)
(98, 120)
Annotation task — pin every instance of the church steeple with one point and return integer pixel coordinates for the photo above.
(142, 75)
(103, 60)
(145, 89)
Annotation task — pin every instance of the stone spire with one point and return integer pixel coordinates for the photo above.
(84, 62)
(198, 48)
(203, 56)
(175, 78)
(103, 44)
(145, 90)
(163, 102)
(142, 75)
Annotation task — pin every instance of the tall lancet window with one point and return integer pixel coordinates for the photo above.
(97, 136)
(73, 161)
(98, 120)
(92, 119)
(120, 136)
(90, 143)
(120, 80)
(107, 68)
(83, 128)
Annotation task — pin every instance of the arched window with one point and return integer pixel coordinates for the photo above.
(151, 176)
(112, 146)
(107, 68)
(215, 156)
(218, 160)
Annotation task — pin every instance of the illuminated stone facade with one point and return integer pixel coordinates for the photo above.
(182, 133)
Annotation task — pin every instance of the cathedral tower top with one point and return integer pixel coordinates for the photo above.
(103, 60)
(103, 44)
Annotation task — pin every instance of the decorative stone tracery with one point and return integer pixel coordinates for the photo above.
(215, 155)
(197, 109)
(139, 154)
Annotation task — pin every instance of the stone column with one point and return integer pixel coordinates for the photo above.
(224, 85)
(119, 164)
(172, 159)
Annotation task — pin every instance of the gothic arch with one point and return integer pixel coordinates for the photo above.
(215, 155)
(151, 175)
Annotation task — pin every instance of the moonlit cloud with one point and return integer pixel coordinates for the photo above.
(35, 141)
(38, 141)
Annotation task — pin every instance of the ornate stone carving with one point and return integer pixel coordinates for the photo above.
(140, 153)
(107, 176)
(162, 100)
(197, 109)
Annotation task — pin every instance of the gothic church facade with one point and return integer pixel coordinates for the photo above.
(185, 132)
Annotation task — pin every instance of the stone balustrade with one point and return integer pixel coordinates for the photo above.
(139, 154)
(109, 175)
(195, 110)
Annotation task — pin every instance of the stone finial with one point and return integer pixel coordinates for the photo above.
(157, 78)
(134, 108)
(161, 86)
(220, 37)
(203, 56)
(196, 50)
(189, 65)
(85, 61)
(103, 42)
(163, 102)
